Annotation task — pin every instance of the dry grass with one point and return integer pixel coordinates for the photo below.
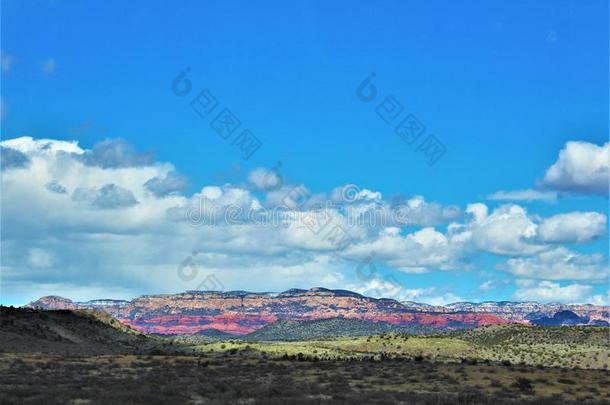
(246, 376)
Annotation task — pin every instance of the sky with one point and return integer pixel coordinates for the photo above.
(425, 151)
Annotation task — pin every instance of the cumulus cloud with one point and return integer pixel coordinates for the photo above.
(368, 207)
(109, 196)
(350, 193)
(559, 264)
(264, 179)
(115, 153)
(107, 235)
(548, 291)
(390, 287)
(41, 147)
(55, 187)
(61, 163)
(114, 207)
(12, 159)
(97, 218)
(415, 252)
(508, 230)
(582, 167)
(417, 211)
(523, 195)
(170, 184)
(573, 227)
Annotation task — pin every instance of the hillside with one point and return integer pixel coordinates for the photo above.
(88, 357)
(325, 328)
(69, 332)
(509, 345)
(526, 335)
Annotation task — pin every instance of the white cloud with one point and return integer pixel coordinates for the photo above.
(368, 207)
(56, 187)
(88, 243)
(99, 217)
(417, 211)
(523, 195)
(109, 196)
(13, 159)
(390, 287)
(581, 167)
(43, 147)
(508, 230)
(94, 212)
(171, 184)
(350, 193)
(573, 227)
(559, 264)
(263, 179)
(599, 299)
(478, 211)
(415, 252)
(547, 291)
(115, 153)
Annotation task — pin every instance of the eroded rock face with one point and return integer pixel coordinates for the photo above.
(54, 302)
(241, 312)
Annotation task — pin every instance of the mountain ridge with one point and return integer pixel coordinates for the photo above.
(243, 312)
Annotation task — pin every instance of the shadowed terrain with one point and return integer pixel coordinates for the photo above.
(89, 358)
(65, 332)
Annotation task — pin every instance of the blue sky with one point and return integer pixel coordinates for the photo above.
(504, 87)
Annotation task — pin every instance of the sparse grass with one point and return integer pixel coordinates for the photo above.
(508, 345)
(495, 365)
(247, 377)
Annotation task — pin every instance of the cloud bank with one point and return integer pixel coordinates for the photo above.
(113, 219)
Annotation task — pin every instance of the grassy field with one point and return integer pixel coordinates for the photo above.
(586, 348)
(64, 357)
(247, 377)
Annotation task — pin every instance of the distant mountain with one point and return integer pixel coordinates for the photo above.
(520, 311)
(567, 318)
(242, 312)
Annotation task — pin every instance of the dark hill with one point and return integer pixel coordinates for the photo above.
(562, 318)
(325, 328)
(83, 332)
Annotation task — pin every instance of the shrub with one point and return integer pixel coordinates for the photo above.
(523, 384)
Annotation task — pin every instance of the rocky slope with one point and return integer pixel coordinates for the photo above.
(241, 312)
